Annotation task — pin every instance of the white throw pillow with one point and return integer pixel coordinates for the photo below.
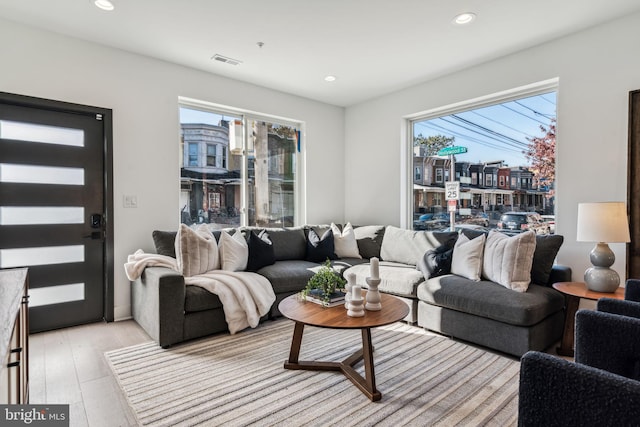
(345, 242)
(196, 250)
(467, 257)
(234, 251)
(508, 260)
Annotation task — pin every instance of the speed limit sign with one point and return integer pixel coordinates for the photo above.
(452, 190)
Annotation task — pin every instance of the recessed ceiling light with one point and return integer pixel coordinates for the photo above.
(330, 79)
(464, 18)
(104, 4)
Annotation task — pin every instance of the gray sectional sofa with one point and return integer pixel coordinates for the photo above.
(481, 312)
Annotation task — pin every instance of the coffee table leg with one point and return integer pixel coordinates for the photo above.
(296, 342)
(566, 345)
(369, 373)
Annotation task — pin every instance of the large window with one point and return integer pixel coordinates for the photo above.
(503, 158)
(247, 175)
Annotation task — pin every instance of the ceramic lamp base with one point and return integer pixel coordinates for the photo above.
(601, 279)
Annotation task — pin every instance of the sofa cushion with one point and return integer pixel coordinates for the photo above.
(165, 242)
(507, 259)
(342, 264)
(199, 299)
(408, 246)
(395, 278)
(467, 257)
(234, 252)
(260, 250)
(319, 249)
(345, 242)
(288, 243)
(290, 275)
(491, 300)
(369, 239)
(196, 250)
(547, 247)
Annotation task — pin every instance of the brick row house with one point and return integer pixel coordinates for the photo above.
(484, 186)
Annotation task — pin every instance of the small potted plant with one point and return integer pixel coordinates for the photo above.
(324, 285)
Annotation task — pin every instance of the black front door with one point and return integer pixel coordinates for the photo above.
(53, 207)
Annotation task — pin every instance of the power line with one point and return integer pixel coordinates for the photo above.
(548, 116)
(488, 144)
(524, 115)
(490, 131)
(545, 99)
(501, 124)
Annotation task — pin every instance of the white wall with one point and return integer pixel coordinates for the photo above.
(143, 94)
(596, 69)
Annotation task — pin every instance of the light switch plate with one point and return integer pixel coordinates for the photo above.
(130, 201)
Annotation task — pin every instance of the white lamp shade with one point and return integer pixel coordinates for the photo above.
(603, 222)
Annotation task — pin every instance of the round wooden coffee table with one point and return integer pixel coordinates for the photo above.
(573, 292)
(308, 313)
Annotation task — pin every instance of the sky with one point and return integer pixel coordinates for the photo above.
(497, 132)
(188, 115)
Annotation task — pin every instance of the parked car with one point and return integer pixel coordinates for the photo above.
(478, 219)
(420, 223)
(517, 222)
(437, 222)
(551, 220)
(474, 227)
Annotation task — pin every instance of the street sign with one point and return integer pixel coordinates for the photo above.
(451, 205)
(452, 190)
(456, 149)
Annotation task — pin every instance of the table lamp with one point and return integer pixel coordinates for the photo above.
(603, 223)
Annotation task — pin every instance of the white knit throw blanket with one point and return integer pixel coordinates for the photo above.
(245, 296)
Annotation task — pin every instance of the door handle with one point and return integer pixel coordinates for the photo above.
(95, 235)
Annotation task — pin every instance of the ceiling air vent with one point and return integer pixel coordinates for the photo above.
(226, 59)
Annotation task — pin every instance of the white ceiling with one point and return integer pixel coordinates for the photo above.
(372, 46)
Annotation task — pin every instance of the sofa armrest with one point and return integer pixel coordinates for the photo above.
(632, 290)
(559, 273)
(157, 299)
(608, 341)
(623, 308)
(554, 391)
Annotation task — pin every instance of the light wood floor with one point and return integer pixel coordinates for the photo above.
(68, 366)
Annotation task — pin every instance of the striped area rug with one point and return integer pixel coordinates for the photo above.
(239, 380)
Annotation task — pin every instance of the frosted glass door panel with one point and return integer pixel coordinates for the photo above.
(41, 174)
(56, 294)
(41, 133)
(17, 215)
(24, 257)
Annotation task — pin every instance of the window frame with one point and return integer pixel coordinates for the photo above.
(246, 117)
(407, 133)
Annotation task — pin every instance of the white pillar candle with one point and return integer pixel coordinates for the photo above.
(351, 279)
(375, 268)
(356, 292)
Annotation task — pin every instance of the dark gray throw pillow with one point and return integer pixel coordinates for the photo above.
(165, 242)
(437, 262)
(261, 251)
(547, 247)
(320, 248)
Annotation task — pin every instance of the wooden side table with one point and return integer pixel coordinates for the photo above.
(573, 292)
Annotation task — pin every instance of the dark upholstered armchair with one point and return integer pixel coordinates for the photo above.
(602, 387)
